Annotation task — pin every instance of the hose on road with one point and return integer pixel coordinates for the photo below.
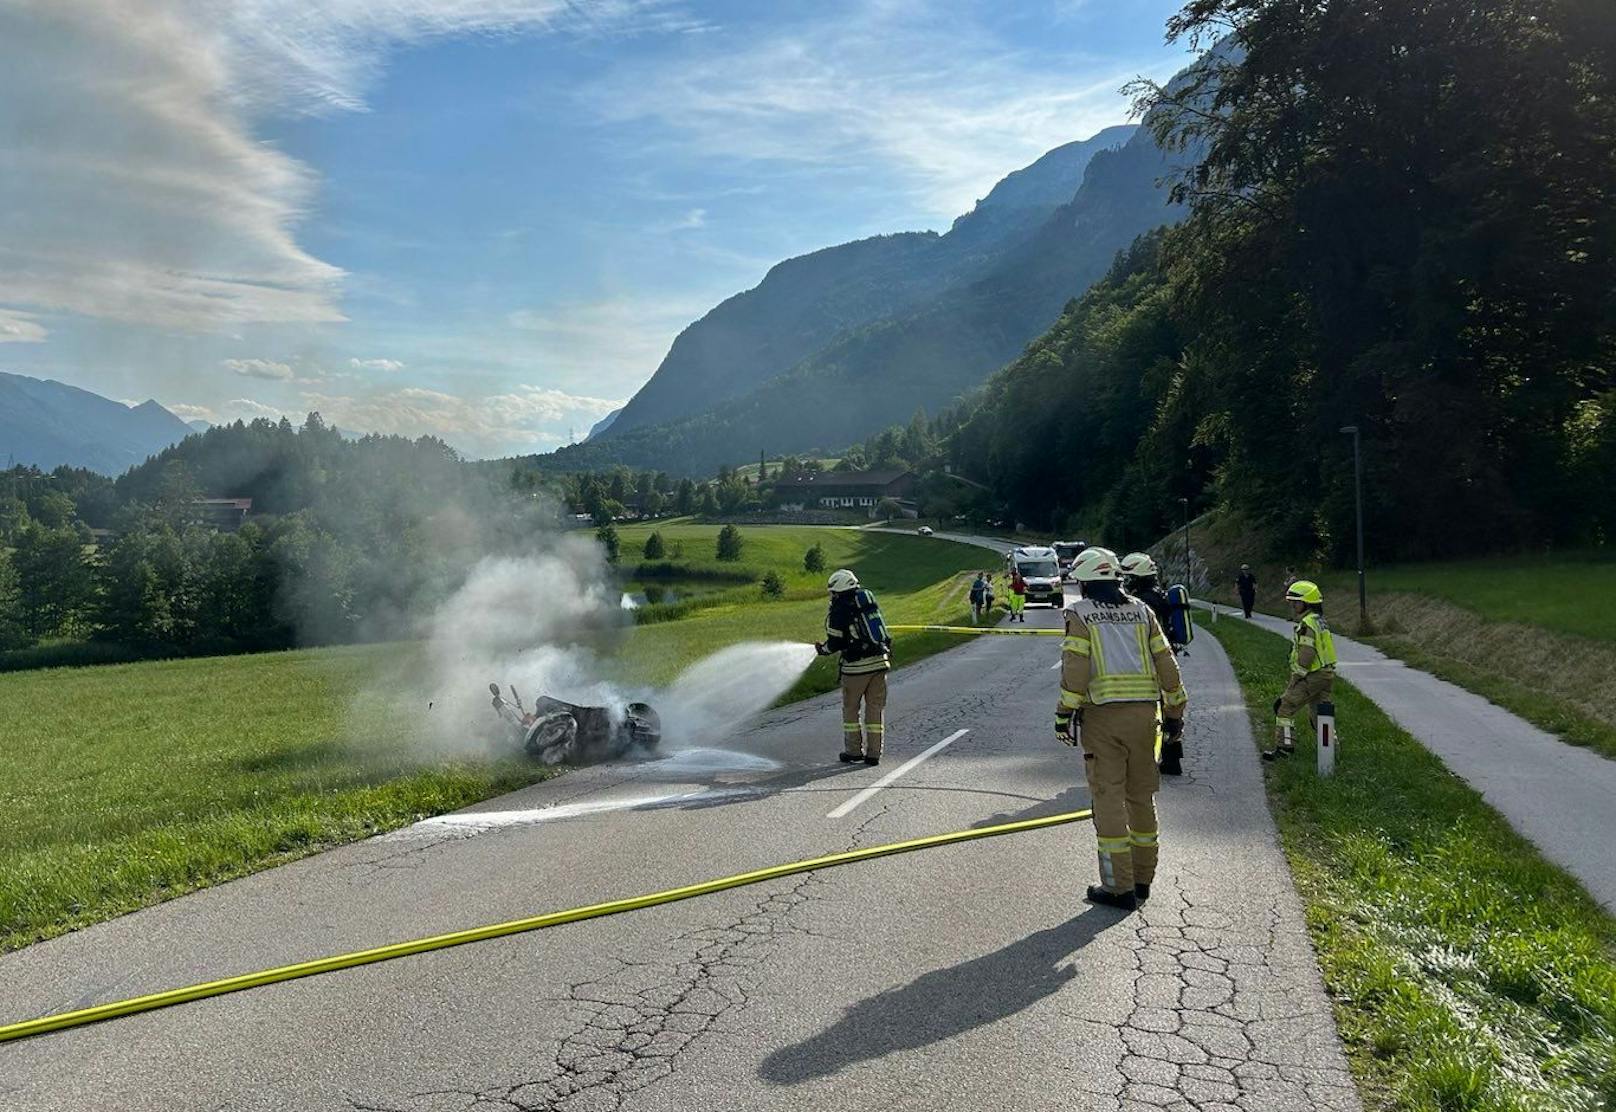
(998, 630)
(169, 998)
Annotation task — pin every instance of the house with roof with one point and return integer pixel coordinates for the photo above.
(843, 490)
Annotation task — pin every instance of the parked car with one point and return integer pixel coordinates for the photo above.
(1066, 552)
(924, 530)
(1040, 567)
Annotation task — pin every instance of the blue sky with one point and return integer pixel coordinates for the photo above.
(486, 219)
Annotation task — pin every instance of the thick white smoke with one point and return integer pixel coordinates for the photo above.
(538, 623)
(532, 622)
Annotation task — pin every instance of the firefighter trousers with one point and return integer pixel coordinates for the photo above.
(870, 691)
(1119, 763)
(1303, 693)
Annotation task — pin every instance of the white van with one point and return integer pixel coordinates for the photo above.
(1040, 567)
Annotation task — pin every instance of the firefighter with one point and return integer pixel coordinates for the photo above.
(855, 628)
(1312, 667)
(1139, 573)
(1118, 677)
(1246, 584)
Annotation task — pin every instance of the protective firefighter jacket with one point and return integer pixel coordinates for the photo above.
(1115, 652)
(855, 628)
(1312, 646)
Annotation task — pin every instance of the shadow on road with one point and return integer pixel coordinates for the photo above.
(943, 1003)
(1074, 798)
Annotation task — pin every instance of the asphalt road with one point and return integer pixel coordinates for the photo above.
(970, 977)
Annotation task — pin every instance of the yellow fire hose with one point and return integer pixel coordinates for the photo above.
(999, 630)
(100, 1012)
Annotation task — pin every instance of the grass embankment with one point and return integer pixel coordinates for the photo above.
(918, 580)
(127, 784)
(1535, 635)
(1467, 972)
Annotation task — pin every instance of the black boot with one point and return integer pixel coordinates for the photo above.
(872, 760)
(1141, 892)
(849, 758)
(1279, 751)
(1124, 900)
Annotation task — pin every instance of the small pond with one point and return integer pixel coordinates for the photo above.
(638, 593)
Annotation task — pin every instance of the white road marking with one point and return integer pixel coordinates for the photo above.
(847, 807)
(480, 822)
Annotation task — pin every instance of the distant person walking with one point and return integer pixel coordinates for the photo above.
(1290, 577)
(855, 628)
(1312, 668)
(1018, 597)
(1246, 584)
(979, 597)
(1118, 679)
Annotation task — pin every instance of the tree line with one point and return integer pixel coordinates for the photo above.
(1400, 220)
(349, 539)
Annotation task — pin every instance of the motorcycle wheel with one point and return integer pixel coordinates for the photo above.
(552, 737)
(644, 725)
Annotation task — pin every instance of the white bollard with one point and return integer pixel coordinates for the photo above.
(1327, 739)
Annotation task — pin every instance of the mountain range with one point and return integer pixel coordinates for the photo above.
(835, 345)
(48, 424)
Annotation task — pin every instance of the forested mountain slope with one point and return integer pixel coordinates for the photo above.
(926, 357)
(806, 303)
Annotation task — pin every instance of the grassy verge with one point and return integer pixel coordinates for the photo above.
(1535, 635)
(1467, 972)
(128, 784)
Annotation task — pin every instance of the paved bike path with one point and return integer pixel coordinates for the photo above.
(1561, 797)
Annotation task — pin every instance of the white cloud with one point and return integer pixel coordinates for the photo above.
(21, 328)
(884, 88)
(244, 409)
(127, 141)
(617, 338)
(388, 365)
(260, 368)
(502, 423)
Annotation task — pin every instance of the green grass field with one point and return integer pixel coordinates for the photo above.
(131, 783)
(1467, 972)
(128, 784)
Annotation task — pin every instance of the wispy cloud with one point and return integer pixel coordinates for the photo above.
(244, 409)
(616, 336)
(128, 141)
(874, 88)
(261, 368)
(21, 328)
(511, 422)
(389, 365)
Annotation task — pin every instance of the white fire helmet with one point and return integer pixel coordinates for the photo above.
(1096, 563)
(842, 580)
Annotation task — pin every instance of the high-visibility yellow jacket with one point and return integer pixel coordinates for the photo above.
(1116, 653)
(1312, 646)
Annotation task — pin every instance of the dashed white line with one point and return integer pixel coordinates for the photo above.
(847, 807)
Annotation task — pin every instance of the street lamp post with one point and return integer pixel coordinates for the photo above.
(1357, 484)
(1188, 584)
